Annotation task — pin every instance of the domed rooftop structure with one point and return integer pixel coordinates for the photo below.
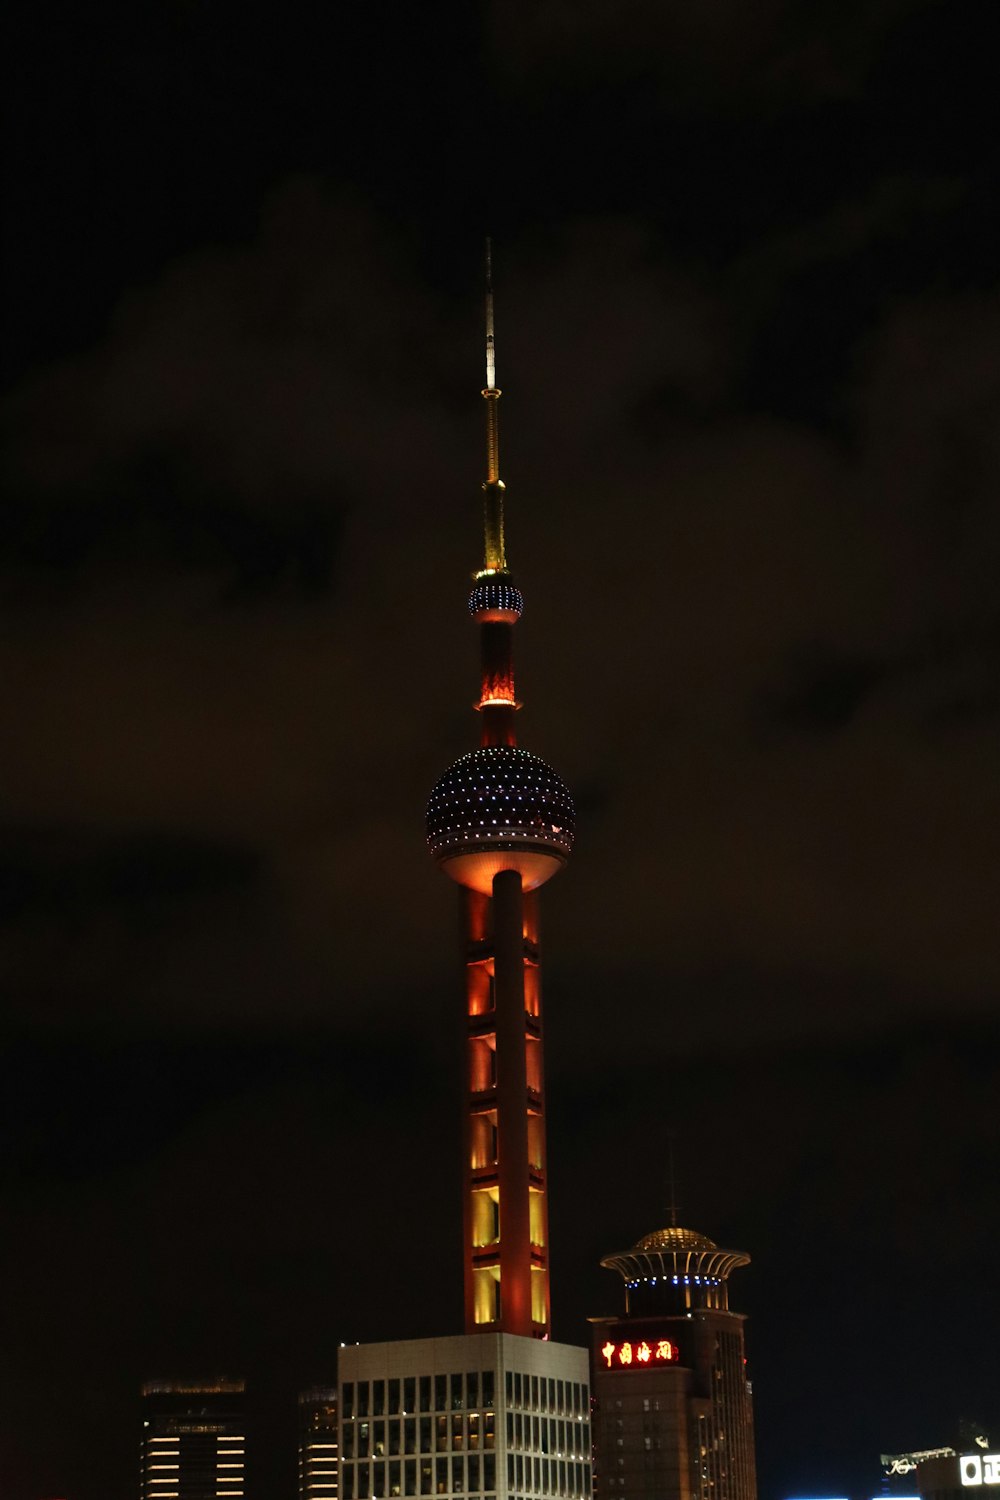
(675, 1238)
(673, 1269)
(500, 808)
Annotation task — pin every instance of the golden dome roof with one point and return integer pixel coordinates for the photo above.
(675, 1239)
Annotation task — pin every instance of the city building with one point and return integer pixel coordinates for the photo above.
(899, 1470)
(318, 1443)
(673, 1416)
(499, 1411)
(948, 1472)
(193, 1439)
(960, 1476)
(474, 1415)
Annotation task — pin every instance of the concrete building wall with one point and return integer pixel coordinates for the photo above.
(677, 1430)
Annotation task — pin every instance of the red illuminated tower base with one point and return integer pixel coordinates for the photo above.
(500, 823)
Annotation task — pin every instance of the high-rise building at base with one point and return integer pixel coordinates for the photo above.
(193, 1440)
(481, 1416)
(318, 1443)
(673, 1415)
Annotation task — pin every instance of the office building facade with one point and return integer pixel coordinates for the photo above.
(318, 1443)
(973, 1474)
(471, 1417)
(193, 1444)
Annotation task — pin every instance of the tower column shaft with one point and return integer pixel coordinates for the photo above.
(512, 1104)
(497, 702)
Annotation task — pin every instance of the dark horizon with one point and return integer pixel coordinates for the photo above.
(783, 1217)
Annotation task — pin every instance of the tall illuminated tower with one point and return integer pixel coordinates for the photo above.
(500, 822)
(498, 1412)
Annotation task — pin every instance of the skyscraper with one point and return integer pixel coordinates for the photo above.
(193, 1440)
(498, 1411)
(472, 1417)
(673, 1412)
(318, 1443)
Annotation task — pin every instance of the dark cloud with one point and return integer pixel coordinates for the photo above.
(777, 51)
(825, 692)
(685, 563)
(95, 924)
(149, 515)
(259, 367)
(54, 875)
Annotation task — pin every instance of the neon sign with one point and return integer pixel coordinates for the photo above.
(979, 1468)
(906, 1463)
(637, 1355)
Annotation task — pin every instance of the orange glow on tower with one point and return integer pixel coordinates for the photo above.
(500, 823)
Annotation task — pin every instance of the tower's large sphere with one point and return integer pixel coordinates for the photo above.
(500, 808)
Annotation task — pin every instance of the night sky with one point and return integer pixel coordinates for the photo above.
(746, 260)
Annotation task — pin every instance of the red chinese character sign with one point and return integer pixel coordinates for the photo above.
(626, 1355)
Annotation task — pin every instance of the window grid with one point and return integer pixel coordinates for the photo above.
(449, 1448)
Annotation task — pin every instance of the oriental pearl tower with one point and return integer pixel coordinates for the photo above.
(500, 823)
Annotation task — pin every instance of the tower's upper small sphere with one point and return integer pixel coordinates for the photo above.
(500, 808)
(496, 599)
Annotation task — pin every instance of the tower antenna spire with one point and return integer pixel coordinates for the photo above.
(491, 372)
(672, 1206)
(496, 555)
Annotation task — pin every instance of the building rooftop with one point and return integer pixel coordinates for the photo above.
(675, 1238)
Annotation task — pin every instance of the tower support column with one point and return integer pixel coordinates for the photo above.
(512, 1103)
